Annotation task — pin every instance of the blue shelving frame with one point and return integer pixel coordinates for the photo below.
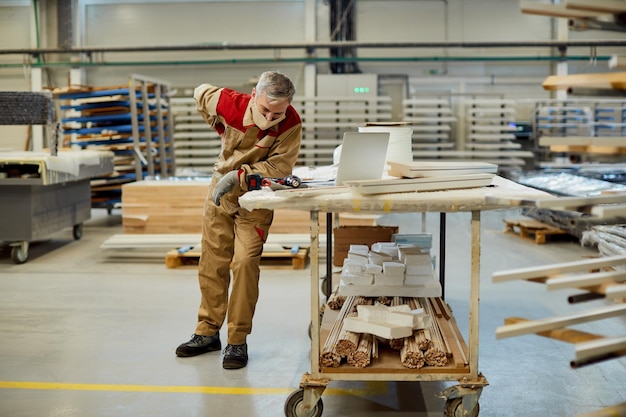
(133, 122)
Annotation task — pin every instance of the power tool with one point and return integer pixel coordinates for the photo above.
(256, 181)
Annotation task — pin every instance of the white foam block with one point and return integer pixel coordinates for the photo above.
(432, 289)
(379, 313)
(353, 267)
(373, 269)
(363, 249)
(378, 258)
(358, 258)
(426, 269)
(353, 279)
(388, 280)
(389, 248)
(393, 268)
(386, 331)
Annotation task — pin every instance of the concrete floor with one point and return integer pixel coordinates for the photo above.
(85, 333)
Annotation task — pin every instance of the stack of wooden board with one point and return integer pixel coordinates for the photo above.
(428, 176)
(163, 206)
(177, 205)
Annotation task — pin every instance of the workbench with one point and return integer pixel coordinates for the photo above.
(43, 194)
(462, 399)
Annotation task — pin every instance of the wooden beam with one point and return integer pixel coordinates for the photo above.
(551, 323)
(564, 335)
(554, 10)
(560, 268)
(597, 6)
(584, 280)
(609, 80)
(590, 350)
(616, 291)
(609, 212)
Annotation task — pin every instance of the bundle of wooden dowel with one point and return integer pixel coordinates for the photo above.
(340, 343)
(425, 347)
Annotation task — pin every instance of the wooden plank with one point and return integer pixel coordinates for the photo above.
(564, 335)
(559, 268)
(455, 342)
(607, 80)
(598, 6)
(554, 10)
(609, 212)
(584, 280)
(447, 314)
(551, 323)
(617, 291)
(593, 349)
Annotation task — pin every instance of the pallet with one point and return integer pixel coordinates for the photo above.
(527, 227)
(272, 259)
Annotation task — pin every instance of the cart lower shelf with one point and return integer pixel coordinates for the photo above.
(388, 361)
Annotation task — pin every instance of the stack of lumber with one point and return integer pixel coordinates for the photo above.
(163, 206)
(609, 239)
(363, 333)
(176, 206)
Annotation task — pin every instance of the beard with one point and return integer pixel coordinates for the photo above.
(261, 122)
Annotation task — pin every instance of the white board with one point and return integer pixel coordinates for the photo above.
(404, 185)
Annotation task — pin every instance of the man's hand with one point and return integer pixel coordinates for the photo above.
(225, 184)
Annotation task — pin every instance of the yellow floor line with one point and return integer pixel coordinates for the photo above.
(372, 388)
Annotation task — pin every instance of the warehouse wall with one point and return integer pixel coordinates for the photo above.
(125, 23)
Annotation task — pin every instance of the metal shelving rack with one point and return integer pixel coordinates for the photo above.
(596, 279)
(134, 122)
(431, 120)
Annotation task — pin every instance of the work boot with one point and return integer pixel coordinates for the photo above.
(235, 356)
(199, 345)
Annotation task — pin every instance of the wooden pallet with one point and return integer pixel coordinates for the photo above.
(272, 259)
(527, 227)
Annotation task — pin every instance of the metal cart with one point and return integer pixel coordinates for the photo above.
(461, 399)
(43, 194)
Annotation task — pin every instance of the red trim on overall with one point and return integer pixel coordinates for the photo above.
(261, 233)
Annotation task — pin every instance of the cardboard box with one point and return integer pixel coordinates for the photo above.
(344, 236)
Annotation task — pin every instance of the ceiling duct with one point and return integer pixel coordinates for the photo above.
(65, 23)
(342, 29)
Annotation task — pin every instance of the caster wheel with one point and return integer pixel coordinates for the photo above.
(325, 287)
(294, 406)
(453, 408)
(77, 231)
(19, 254)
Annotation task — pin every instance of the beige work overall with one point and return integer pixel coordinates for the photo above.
(246, 246)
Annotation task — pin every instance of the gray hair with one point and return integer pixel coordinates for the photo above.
(276, 86)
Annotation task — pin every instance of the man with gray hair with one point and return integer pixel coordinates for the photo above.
(261, 134)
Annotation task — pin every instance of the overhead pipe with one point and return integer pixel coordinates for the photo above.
(310, 60)
(310, 47)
